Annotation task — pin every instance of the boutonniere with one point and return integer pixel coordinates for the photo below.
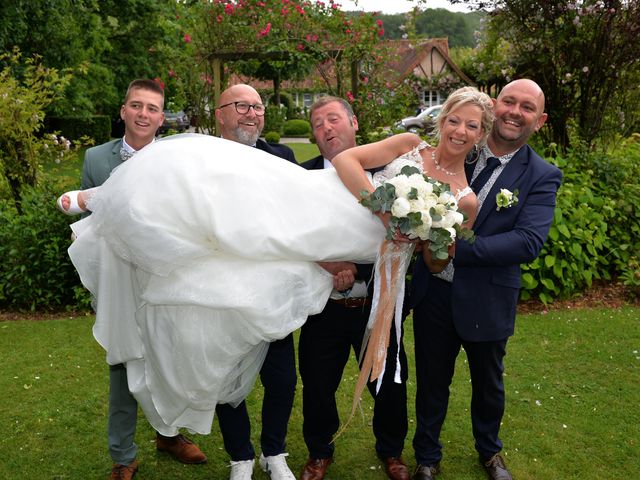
(505, 198)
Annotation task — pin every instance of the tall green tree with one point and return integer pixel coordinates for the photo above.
(104, 43)
(584, 54)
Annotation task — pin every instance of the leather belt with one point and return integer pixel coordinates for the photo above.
(352, 302)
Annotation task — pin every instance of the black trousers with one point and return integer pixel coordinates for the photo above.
(325, 344)
(278, 376)
(437, 344)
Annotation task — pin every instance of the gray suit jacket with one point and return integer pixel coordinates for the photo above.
(99, 161)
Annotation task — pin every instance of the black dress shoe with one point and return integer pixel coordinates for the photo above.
(425, 472)
(496, 468)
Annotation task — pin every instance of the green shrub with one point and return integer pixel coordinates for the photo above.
(274, 118)
(97, 127)
(37, 273)
(596, 229)
(272, 137)
(296, 128)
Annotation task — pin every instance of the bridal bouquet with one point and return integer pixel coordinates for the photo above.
(420, 207)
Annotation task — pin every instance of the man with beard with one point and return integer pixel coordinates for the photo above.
(516, 192)
(241, 118)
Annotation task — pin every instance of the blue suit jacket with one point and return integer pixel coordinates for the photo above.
(277, 149)
(487, 272)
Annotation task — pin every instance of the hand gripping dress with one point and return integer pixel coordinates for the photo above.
(201, 251)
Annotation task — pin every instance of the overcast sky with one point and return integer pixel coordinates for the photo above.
(397, 6)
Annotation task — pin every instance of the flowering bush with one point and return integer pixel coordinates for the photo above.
(289, 36)
(24, 94)
(421, 208)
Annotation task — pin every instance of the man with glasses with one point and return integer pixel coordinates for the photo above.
(241, 118)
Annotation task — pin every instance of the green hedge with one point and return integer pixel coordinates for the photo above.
(596, 229)
(296, 128)
(274, 118)
(97, 127)
(36, 271)
(272, 137)
(595, 235)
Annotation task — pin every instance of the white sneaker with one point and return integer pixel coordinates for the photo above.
(276, 467)
(241, 470)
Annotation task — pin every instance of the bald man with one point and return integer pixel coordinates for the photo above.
(241, 118)
(472, 304)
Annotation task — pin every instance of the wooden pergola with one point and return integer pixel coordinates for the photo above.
(217, 59)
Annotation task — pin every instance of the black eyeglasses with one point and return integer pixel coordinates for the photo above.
(243, 107)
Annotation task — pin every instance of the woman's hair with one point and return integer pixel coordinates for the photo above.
(468, 96)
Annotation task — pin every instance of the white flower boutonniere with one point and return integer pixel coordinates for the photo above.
(505, 198)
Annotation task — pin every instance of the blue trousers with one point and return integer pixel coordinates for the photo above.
(279, 378)
(437, 344)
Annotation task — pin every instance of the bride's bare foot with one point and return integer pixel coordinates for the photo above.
(72, 203)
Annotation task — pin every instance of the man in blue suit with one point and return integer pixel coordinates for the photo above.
(472, 303)
(241, 118)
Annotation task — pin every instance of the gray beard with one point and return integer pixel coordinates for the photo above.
(245, 137)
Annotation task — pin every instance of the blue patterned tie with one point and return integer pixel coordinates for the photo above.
(485, 174)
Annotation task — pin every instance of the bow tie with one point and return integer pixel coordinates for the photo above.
(126, 154)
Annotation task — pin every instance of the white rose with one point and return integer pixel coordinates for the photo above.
(448, 199)
(450, 219)
(400, 207)
(417, 205)
(430, 200)
(402, 185)
(507, 193)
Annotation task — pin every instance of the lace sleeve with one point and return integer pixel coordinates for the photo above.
(411, 158)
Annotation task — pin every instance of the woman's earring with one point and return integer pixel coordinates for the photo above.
(473, 155)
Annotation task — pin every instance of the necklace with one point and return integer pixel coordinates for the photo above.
(442, 169)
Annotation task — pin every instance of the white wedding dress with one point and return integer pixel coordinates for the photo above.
(201, 251)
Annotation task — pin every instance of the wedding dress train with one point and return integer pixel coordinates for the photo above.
(201, 251)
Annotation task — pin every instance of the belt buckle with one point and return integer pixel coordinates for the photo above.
(354, 302)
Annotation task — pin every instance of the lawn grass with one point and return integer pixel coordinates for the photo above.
(304, 151)
(66, 174)
(572, 407)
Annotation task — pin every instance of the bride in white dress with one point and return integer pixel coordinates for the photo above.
(202, 251)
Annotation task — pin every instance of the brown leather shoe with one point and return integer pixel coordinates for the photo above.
(124, 472)
(181, 448)
(395, 468)
(496, 468)
(315, 468)
(425, 472)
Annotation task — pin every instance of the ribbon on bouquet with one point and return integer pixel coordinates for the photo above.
(390, 270)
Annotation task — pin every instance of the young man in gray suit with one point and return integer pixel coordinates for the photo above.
(142, 114)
